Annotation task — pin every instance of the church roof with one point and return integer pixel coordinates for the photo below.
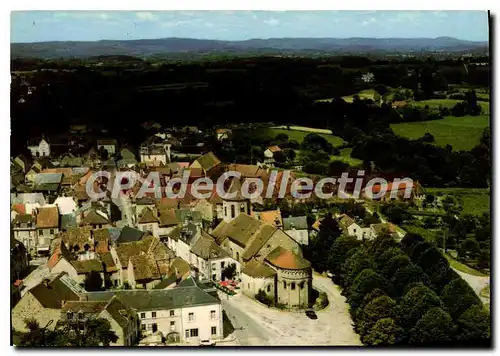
(286, 259)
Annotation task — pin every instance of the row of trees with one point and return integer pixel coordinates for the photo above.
(401, 293)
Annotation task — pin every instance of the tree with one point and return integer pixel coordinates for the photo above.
(364, 283)
(382, 243)
(93, 281)
(427, 138)
(469, 248)
(415, 303)
(229, 271)
(97, 332)
(378, 308)
(409, 240)
(474, 325)
(371, 219)
(383, 259)
(418, 249)
(354, 264)
(384, 332)
(458, 296)
(430, 258)
(317, 251)
(338, 251)
(280, 157)
(434, 328)
(407, 275)
(394, 264)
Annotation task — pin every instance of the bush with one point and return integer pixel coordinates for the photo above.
(262, 297)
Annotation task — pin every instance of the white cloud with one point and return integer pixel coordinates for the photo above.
(82, 15)
(370, 21)
(408, 16)
(146, 16)
(272, 22)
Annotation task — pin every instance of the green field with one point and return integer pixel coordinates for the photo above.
(345, 156)
(473, 200)
(463, 133)
(363, 94)
(448, 103)
(270, 133)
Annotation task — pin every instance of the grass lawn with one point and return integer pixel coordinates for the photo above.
(473, 200)
(448, 103)
(270, 133)
(363, 94)
(461, 267)
(485, 292)
(345, 156)
(463, 133)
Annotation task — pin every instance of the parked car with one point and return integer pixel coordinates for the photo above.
(311, 314)
(207, 342)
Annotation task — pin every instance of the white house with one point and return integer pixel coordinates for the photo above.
(297, 228)
(269, 154)
(47, 224)
(186, 313)
(349, 226)
(24, 229)
(39, 148)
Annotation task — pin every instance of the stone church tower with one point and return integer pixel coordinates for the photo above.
(232, 207)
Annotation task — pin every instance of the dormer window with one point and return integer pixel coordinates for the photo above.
(80, 315)
(69, 315)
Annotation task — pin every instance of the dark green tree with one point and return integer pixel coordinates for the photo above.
(415, 303)
(436, 327)
(378, 308)
(404, 276)
(385, 332)
(458, 296)
(364, 283)
(474, 325)
(93, 281)
(337, 256)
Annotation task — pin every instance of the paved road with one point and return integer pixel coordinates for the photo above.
(246, 330)
(476, 282)
(269, 326)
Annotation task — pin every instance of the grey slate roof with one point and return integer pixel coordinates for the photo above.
(296, 222)
(129, 234)
(163, 299)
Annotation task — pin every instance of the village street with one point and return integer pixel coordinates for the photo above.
(273, 327)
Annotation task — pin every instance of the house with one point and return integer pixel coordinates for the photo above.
(351, 228)
(79, 241)
(269, 154)
(297, 228)
(24, 229)
(155, 151)
(48, 184)
(47, 225)
(148, 221)
(123, 319)
(31, 201)
(207, 162)
(96, 218)
(66, 205)
(223, 134)
(44, 302)
(185, 314)
(182, 238)
(109, 145)
(257, 276)
(130, 234)
(34, 170)
(127, 160)
(23, 162)
(402, 191)
(39, 147)
(210, 259)
(157, 256)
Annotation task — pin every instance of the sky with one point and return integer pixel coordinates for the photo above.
(41, 26)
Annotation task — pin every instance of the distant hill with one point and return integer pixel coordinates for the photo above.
(165, 46)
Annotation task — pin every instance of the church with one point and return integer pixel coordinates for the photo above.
(270, 259)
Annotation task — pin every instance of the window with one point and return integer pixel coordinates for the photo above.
(172, 325)
(284, 285)
(143, 326)
(52, 231)
(242, 208)
(153, 314)
(172, 313)
(237, 256)
(268, 287)
(225, 211)
(214, 277)
(212, 314)
(40, 233)
(143, 315)
(222, 264)
(69, 315)
(187, 334)
(301, 285)
(248, 285)
(191, 316)
(213, 266)
(214, 330)
(194, 332)
(80, 315)
(233, 212)
(293, 286)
